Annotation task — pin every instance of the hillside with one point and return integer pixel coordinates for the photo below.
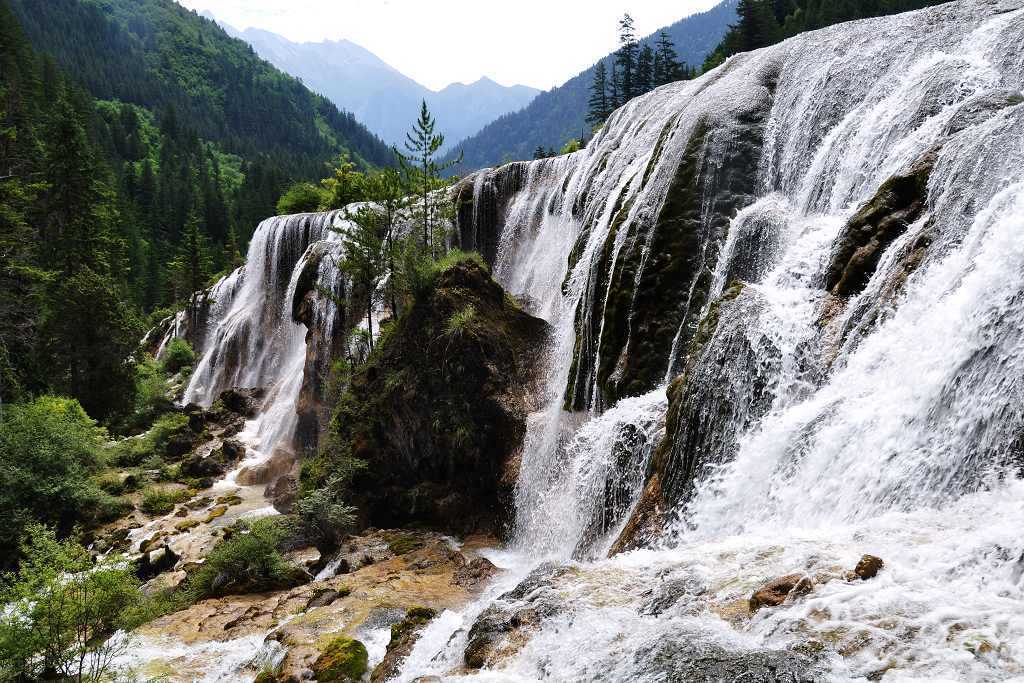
(159, 55)
(560, 113)
(379, 95)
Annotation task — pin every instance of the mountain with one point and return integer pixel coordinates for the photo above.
(379, 95)
(559, 114)
(161, 56)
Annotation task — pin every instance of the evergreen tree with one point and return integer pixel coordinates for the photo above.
(365, 259)
(600, 105)
(626, 60)
(193, 262)
(540, 152)
(644, 78)
(423, 171)
(667, 68)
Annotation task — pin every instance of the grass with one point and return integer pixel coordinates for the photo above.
(160, 501)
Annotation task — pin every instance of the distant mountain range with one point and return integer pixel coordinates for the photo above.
(381, 97)
(558, 115)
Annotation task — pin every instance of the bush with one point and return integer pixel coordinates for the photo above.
(170, 436)
(152, 397)
(68, 609)
(322, 516)
(178, 354)
(301, 198)
(247, 562)
(160, 501)
(49, 451)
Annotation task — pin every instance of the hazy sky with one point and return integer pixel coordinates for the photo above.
(534, 42)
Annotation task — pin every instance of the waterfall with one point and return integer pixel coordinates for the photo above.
(246, 329)
(693, 241)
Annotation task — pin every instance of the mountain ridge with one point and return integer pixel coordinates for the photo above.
(378, 94)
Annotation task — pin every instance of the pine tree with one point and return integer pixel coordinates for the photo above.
(626, 59)
(757, 26)
(644, 78)
(600, 106)
(540, 153)
(423, 172)
(667, 68)
(365, 259)
(192, 265)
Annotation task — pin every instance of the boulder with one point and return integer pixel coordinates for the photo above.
(404, 635)
(474, 573)
(245, 402)
(342, 660)
(504, 627)
(868, 567)
(440, 408)
(776, 591)
(155, 562)
(278, 464)
(198, 467)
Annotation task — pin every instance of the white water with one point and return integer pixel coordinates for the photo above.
(898, 449)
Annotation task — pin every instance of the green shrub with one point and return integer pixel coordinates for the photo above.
(322, 516)
(67, 610)
(160, 501)
(50, 451)
(301, 198)
(134, 451)
(249, 561)
(177, 355)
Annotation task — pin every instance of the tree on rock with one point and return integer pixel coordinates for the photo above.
(600, 101)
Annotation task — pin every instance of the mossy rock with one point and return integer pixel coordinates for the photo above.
(414, 619)
(186, 524)
(402, 544)
(343, 660)
(216, 512)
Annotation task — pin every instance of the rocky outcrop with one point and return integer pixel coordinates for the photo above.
(504, 627)
(439, 409)
(481, 202)
(900, 201)
(777, 591)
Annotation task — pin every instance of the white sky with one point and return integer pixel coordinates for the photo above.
(541, 43)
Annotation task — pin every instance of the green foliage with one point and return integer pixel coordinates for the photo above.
(766, 22)
(344, 186)
(423, 172)
(249, 561)
(177, 355)
(161, 501)
(571, 146)
(343, 660)
(60, 611)
(303, 197)
(171, 428)
(152, 396)
(322, 515)
(49, 450)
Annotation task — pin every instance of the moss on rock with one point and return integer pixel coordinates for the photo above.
(342, 660)
(440, 406)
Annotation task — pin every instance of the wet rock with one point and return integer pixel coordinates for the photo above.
(776, 591)
(474, 573)
(325, 597)
(505, 626)
(199, 467)
(283, 493)
(868, 567)
(155, 562)
(692, 659)
(900, 201)
(671, 592)
(279, 463)
(245, 402)
(232, 451)
(404, 635)
(342, 660)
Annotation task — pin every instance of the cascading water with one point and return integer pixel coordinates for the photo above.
(811, 424)
(246, 333)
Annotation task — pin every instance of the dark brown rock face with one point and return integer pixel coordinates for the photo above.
(868, 567)
(439, 410)
(900, 201)
(775, 592)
